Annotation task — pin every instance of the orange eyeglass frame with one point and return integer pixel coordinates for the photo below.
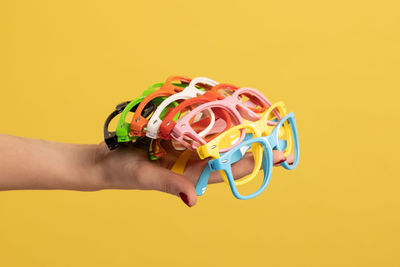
(167, 89)
(168, 122)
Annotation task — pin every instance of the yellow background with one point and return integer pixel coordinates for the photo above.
(65, 64)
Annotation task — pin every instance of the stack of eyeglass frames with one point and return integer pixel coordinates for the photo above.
(235, 128)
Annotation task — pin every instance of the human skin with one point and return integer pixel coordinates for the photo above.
(27, 163)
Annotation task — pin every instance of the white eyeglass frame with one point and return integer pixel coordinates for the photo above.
(190, 91)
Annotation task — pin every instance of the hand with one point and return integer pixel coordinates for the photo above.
(128, 167)
(39, 164)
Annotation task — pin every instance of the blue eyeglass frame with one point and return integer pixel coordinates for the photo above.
(269, 143)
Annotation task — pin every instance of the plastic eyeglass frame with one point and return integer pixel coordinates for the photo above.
(123, 127)
(231, 104)
(169, 123)
(189, 92)
(122, 130)
(268, 143)
(204, 177)
(169, 88)
(111, 138)
(156, 151)
(180, 164)
(259, 128)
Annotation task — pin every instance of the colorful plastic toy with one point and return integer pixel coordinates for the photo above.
(250, 110)
(111, 138)
(222, 122)
(262, 153)
(189, 92)
(218, 92)
(123, 126)
(167, 89)
(230, 138)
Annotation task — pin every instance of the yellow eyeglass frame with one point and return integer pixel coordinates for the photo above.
(257, 128)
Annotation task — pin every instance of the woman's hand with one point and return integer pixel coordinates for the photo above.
(128, 167)
(27, 163)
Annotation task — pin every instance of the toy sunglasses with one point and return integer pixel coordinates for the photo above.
(184, 133)
(262, 151)
(189, 92)
(169, 88)
(218, 92)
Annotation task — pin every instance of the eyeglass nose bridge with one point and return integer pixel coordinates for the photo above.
(245, 112)
(272, 140)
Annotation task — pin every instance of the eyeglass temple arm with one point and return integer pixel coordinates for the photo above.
(110, 137)
(201, 185)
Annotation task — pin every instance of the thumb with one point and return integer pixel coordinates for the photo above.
(164, 180)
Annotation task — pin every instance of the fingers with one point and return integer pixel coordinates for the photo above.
(290, 159)
(246, 164)
(239, 169)
(278, 157)
(154, 177)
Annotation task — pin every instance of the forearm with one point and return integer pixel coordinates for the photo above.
(38, 164)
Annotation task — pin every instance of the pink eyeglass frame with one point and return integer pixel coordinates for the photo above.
(233, 106)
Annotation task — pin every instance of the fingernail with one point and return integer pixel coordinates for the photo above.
(184, 198)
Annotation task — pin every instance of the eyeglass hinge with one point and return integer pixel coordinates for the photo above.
(211, 165)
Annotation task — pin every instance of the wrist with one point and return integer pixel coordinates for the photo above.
(92, 172)
(100, 167)
(81, 170)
